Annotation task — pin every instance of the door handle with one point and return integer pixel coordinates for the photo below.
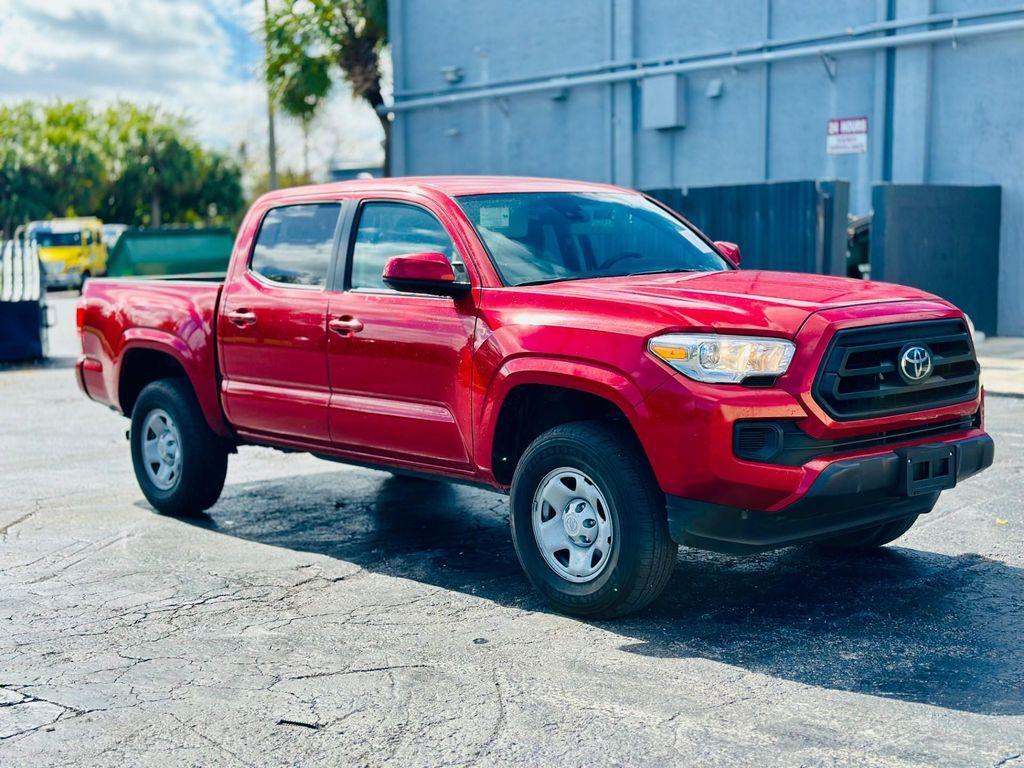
(346, 325)
(242, 318)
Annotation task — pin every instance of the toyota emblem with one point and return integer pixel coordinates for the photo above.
(915, 364)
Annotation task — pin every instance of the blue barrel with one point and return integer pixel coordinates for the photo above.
(22, 310)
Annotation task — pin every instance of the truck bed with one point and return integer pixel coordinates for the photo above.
(189, 277)
(127, 316)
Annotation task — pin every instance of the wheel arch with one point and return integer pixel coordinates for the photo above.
(148, 355)
(530, 396)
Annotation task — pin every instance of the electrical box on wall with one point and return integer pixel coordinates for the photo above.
(663, 102)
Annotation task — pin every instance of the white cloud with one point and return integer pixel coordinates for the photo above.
(196, 57)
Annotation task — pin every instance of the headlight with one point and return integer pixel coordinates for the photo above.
(718, 359)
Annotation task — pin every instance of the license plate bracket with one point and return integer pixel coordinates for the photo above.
(928, 468)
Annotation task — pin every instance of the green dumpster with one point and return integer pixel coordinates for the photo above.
(171, 251)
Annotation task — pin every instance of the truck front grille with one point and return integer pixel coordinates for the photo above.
(861, 376)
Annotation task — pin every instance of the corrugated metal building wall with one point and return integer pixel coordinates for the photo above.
(556, 88)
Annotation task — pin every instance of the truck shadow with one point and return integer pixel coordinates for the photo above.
(899, 623)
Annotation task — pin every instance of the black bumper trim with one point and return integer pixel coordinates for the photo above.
(792, 447)
(848, 494)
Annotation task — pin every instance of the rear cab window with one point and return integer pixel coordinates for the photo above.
(295, 243)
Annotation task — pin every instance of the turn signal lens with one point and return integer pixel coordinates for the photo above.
(718, 359)
(668, 353)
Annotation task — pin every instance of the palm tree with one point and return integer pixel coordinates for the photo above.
(307, 39)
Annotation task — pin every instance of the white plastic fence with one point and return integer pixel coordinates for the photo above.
(19, 270)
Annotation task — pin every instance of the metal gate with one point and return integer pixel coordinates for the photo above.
(798, 226)
(22, 311)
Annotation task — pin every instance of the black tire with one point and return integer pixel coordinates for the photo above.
(642, 553)
(204, 456)
(868, 538)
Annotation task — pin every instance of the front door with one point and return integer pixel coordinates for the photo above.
(272, 328)
(399, 363)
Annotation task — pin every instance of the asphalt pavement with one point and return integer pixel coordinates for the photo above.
(326, 615)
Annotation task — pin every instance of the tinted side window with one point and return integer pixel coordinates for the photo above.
(393, 229)
(294, 244)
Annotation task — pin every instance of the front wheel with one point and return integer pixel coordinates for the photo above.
(179, 462)
(588, 521)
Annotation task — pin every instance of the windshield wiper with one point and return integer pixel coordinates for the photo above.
(547, 280)
(665, 272)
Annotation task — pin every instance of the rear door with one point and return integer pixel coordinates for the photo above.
(399, 363)
(272, 327)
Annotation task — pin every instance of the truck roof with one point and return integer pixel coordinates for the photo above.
(66, 224)
(449, 185)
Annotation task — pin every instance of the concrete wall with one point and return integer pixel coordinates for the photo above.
(938, 113)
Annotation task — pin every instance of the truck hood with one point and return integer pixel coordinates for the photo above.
(737, 300)
(50, 253)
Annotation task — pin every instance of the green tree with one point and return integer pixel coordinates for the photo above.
(25, 191)
(137, 165)
(307, 39)
(299, 86)
(52, 163)
(152, 160)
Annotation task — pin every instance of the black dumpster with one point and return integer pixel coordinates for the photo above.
(171, 251)
(22, 311)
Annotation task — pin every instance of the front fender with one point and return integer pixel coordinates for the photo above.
(592, 378)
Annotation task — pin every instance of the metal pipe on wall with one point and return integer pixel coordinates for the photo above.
(766, 113)
(767, 43)
(720, 62)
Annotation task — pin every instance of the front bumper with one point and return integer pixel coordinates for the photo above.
(688, 428)
(848, 494)
(71, 278)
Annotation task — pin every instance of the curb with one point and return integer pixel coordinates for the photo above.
(1013, 395)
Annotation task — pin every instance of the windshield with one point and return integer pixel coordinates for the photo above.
(539, 237)
(53, 239)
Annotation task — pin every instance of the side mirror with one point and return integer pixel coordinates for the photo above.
(429, 272)
(731, 251)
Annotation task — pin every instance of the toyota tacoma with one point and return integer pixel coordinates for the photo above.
(579, 346)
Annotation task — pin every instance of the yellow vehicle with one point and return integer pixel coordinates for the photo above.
(71, 250)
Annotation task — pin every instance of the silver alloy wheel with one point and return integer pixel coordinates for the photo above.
(572, 525)
(161, 449)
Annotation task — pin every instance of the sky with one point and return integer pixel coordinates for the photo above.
(199, 58)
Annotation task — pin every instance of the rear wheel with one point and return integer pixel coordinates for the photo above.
(179, 462)
(588, 521)
(869, 538)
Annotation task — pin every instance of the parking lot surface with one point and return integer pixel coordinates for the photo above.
(336, 616)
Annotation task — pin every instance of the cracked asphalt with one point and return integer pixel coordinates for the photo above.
(325, 615)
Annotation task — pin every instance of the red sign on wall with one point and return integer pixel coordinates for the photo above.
(847, 136)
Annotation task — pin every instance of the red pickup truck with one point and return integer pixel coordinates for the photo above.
(577, 345)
